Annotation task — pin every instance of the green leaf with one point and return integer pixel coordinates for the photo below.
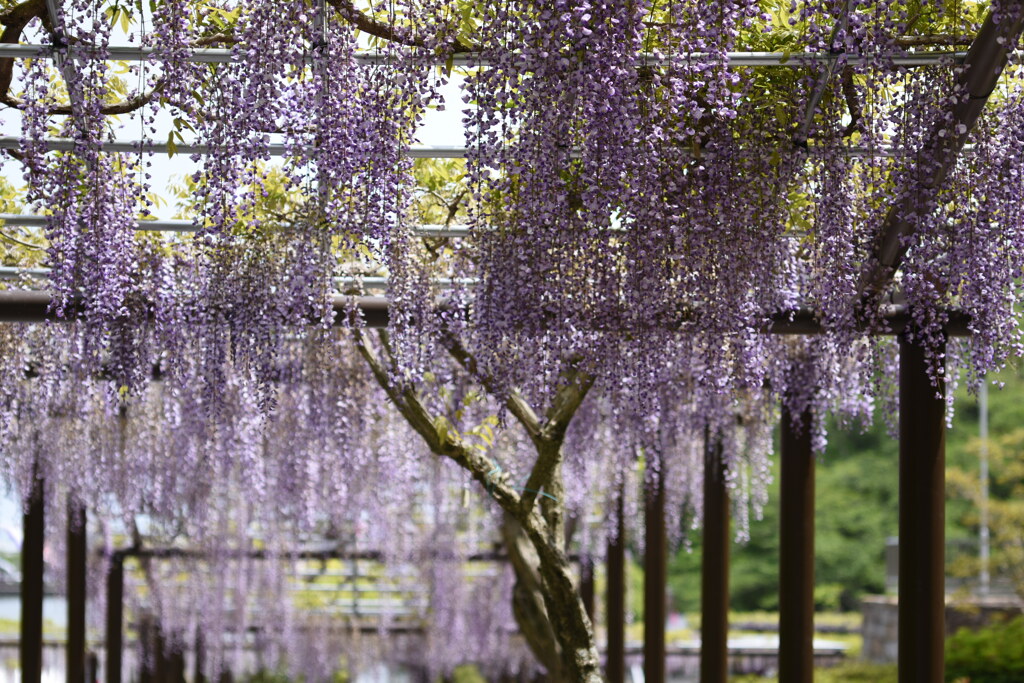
(442, 427)
(172, 148)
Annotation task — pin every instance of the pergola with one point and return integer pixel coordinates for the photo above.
(922, 443)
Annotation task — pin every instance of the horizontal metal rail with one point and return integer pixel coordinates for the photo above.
(343, 283)
(212, 55)
(413, 151)
(40, 221)
(26, 306)
(274, 149)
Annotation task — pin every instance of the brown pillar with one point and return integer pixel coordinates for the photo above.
(147, 650)
(796, 552)
(655, 571)
(161, 655)
(199, 673)
(115, 618)
(615, 664)
(175, 661)
(587, 585)
(714, 598)
(76, 579)
(34, 530)
(922, 520)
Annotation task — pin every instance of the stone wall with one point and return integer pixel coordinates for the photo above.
(880, 627)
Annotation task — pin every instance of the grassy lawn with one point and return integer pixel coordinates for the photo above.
(851, 672)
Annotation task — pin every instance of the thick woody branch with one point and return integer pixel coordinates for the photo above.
(446, 443)
(565, 404)
(124, 107)
(385, 31)
(15, 20)
(516, 404)
(549, 446)
(852, 102)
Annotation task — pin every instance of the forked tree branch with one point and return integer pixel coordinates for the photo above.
(515, 402)
(448, 444)
(385, 31)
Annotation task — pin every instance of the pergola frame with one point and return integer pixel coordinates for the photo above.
(921, 411)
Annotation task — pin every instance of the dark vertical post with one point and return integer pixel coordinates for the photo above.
(714, 598)
(922, 519)
(76, 569)
(587, 585)
(161, 655)
(616, 600)
(34, 529)
(655, 570)
(147, 663)
(199, 674)
(796, 551)
(176, 664)
(115, 617)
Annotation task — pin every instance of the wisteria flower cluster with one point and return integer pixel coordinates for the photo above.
(641, 212)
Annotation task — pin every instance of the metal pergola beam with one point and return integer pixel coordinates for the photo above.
(31, 306)
(213, 55)
(412, 151)
(154, 147)
(29, 220)
(983, 65)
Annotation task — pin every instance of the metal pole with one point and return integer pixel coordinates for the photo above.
(922, 519)
(796, 551)
(115, 617)
(76, 578)
(615, 665)
(655, 571)
(983, 540)
(31, 643)
(714, 598)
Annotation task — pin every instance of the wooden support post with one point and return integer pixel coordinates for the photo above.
(615, 665)
(177, 665)
(714, 598)
(587, 585)
(34, 529)
(922, 519)
(199, 672)
(115, 618)
(161, 654)
(796, 552)
(76, 580)
(655, 575)
(148, 656)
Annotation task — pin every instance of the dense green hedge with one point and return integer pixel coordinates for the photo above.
(994, 654)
